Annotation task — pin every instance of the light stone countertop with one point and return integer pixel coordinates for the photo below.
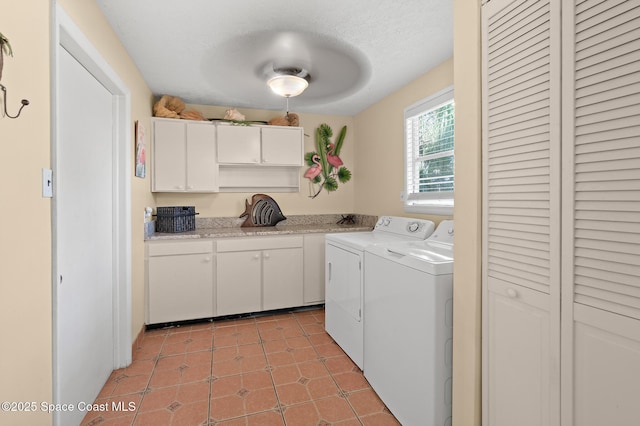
(303, 224)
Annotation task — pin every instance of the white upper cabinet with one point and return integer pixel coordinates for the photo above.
(282, 146)
(259, 158)
(183, 156)
(239, 145)
(196, 156)
(267, 146)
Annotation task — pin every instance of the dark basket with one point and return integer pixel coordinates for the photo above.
(176, 219)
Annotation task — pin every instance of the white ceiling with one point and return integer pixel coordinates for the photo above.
(217, 53)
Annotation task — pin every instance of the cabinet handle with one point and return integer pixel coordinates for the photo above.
(190, 187)
(512, 293)
(256, 257)
(207, 259)
(329, 272)
(266, 255)
(179, 187)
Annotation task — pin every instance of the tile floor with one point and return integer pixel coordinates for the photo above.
(281, 369)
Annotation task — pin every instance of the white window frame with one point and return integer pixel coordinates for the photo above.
(437, 203)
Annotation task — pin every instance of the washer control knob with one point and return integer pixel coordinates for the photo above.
(413, 226)
(387, 221)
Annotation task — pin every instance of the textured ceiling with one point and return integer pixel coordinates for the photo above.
(221, 53)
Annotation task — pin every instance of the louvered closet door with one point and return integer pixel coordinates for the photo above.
(521, 249)
(601, 213)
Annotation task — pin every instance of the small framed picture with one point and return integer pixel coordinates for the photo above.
(141, 152)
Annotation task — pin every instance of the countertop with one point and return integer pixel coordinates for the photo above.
(306, 224)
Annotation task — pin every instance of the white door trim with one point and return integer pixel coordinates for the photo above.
(66, 34)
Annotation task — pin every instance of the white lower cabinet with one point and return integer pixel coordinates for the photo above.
(239, 284)
(314, 267)
(204, 278)
(180, 278)
(256, 274)
(282, 278)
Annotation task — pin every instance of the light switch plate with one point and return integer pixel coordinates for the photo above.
(47, 183)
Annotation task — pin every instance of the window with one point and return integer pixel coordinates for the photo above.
(429, 162)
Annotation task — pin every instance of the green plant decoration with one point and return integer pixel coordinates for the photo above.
(326, 169)
(5, 47)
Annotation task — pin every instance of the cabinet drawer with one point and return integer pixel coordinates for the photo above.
(168, 248)
(259, 243)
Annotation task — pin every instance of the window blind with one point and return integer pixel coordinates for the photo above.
(429, 138)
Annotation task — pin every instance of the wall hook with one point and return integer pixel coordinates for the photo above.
(25, 102)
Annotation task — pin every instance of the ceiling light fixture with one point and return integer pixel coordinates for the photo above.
(289, 82)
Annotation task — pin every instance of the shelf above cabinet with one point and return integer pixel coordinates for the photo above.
(245, 178)
(259, 158)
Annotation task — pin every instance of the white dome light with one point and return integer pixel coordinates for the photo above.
(288, 85)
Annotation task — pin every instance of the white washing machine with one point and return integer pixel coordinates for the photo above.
(344, 258)
(408, 326)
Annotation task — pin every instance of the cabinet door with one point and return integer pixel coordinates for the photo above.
(314, 267)
(604, 368)
(238, 145)
(282, 146)
(238, 286)
(169, 156)
(601, 213)
(282, 285)
(521, 212)
(519, 370)
(180, 286)
(202, 170)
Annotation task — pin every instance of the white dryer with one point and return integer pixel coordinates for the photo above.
(344, 257)
(408, 326)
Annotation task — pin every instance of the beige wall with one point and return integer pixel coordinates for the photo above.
(467, 213)
(25, 245)
(380, 145)
(25, 217)
(232, 204)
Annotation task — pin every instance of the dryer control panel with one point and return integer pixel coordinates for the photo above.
(443, 233)
(405, 226)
